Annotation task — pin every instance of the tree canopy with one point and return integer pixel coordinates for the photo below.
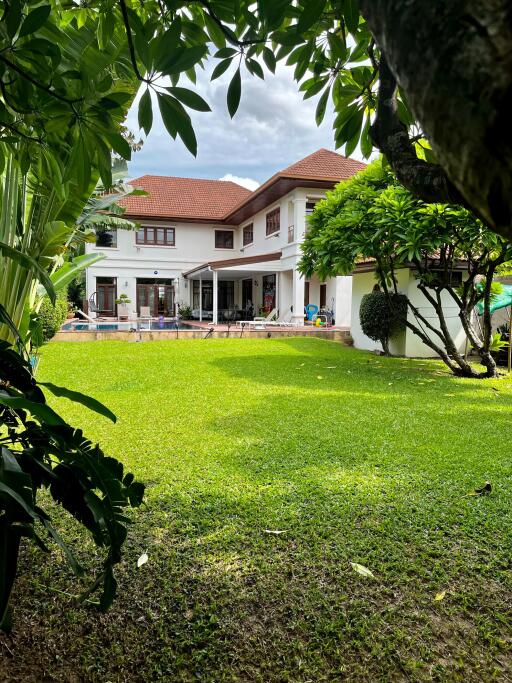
(391, 83)
(373, 218)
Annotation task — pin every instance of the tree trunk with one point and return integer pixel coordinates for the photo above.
(490, 364)
(385, 346)
(453, 60)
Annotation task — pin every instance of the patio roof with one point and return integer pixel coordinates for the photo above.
(244, 264)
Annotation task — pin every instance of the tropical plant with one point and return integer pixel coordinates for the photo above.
(382, 317)
(123, 299)
(51, 317)
(39, 450)
(185, 311)
(375, 218)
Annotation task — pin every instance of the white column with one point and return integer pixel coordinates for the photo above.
(298, 297)
(201, 299)
(299, 218)
(215, 297)
(277, 296)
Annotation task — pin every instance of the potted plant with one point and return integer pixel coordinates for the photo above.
(122, 306)
(184, 311)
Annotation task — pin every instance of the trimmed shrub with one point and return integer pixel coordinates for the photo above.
(381, 321)
(52, 317)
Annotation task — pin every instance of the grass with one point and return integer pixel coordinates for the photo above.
(353, 457)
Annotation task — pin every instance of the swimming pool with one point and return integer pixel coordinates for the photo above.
(134, 326)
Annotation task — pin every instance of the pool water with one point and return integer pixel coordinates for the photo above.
(128, 326)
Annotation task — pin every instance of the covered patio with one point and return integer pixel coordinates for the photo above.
(240, 288)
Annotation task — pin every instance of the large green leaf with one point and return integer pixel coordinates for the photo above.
(78, 397)
(145, 114)
(311, 13)
(27, 262)
(39, 410)
(190, 98)
(34, 20)
(66, 273)
(234, 93)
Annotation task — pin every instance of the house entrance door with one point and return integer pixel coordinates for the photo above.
(106, 296)
(157, 295)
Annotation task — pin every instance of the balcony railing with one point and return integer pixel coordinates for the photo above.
(291, 234)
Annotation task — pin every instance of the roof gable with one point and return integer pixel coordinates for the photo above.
(186, 198)
(323, 164)
(223, 201)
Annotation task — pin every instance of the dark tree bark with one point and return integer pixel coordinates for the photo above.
(453, 60)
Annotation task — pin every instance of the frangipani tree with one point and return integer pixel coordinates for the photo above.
(373, 217)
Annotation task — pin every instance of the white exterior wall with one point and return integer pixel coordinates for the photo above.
(195, 245)
(407, 343)
(414, 347)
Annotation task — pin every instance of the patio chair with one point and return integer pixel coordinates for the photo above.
(259, 322)
(285, 320)
(145, 316)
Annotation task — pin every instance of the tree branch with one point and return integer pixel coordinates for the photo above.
(38, 84)
(131, 47)
(427, 181)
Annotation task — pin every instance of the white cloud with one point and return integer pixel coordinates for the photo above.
(249, 183)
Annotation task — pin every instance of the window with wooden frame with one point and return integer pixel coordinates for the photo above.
(224, 239)
(273, 221)
(161, 237)
(248, 235)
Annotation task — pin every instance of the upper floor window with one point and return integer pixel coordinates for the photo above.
(224, 239)
(273, 221)
(310, 207)
(106, 237)
(162, 237)
(248, 235)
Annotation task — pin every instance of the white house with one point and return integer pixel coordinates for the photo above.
(407, 343)
(215, 246)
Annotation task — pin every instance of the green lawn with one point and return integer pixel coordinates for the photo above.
(353, 457)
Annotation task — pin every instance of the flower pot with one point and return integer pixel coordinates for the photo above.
(122, 311)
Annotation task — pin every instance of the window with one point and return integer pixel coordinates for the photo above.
(207, 290)
(273, 221)
(223, 239)
(162, 237)
(226, 295)
(106, 237)
(310, 207)
(323, 296)
(248, 235)
(157, 295)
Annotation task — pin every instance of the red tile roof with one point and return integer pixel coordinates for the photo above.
(323, 164)
(187, 198)
(215, 200)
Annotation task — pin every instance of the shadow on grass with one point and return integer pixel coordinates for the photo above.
(223, 599)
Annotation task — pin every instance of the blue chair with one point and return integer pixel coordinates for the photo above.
(311, 311)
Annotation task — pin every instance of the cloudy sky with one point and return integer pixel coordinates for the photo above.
(273, 128)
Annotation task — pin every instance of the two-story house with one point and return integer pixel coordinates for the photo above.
(216, 246)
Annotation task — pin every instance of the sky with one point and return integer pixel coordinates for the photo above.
(273, 128)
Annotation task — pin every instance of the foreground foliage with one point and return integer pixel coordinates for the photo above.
(39, 450)
(357, 53)
(352, 458)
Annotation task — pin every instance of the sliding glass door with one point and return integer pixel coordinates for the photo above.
(157, 295)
